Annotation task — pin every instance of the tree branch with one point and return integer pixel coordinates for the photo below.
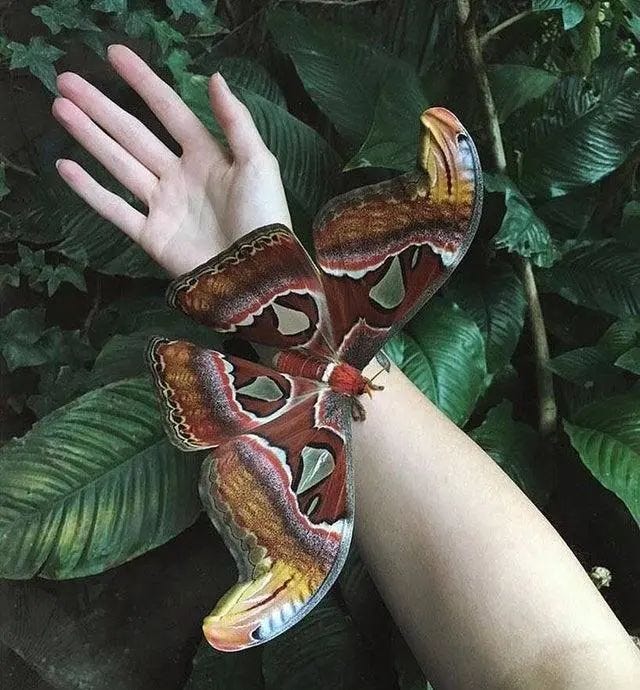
(492, 33)
(547, 409)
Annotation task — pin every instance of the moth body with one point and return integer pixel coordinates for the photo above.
(341, 377)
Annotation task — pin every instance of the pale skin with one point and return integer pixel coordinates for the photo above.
(482, 587)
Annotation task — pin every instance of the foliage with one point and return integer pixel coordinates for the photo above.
(91, 482)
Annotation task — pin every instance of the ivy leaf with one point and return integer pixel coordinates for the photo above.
(144, 23)
(602, 275)
(110, 486)
(442, 351)
(496, 302)
(110, 6)
(513, 86)
(606, 435)
(65, 274)
(64, 14)
(513, 446)
(522, 231)
(38, 57)
(195, 7)
(572, 11)
(24, 341)
(9, 275)
(392, 140)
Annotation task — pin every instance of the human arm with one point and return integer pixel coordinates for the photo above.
(451, 542)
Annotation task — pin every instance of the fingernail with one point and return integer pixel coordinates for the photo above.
(58, 162)
(223, 82)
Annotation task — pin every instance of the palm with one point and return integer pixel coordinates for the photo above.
(197, 203)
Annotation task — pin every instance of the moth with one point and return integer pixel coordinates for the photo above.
(277, 483)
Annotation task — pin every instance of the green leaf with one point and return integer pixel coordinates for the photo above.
(195, 7)
(213, 670)
(64, 14)
(38, 57)
(496, 302)
(606, 435)
(572, 11)
(24, 341)
(584, 366)
(442, 352)
(630, 360)
(109, 486)
(4, 189)
(9, 275)
(143, 23)
(513, 446)
(251, 75)
(586, 135)
(110, 6)
(602, 275)
(595, 366)
(522, 231)
(319, 652)
(513, 86)
(340, 70)
(408, 671)
(307, 162)
(392, 140)
(66, 274)
(629, 231)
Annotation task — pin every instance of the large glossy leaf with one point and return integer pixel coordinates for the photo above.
(392, 140)
(442, 352)
(213, 670)
(522, 231)
(307, 162)
(496, 302)
(601, 275)
(606, 435)
(513, 86)
(572, 10)
(584, 138)
(340, 70)
(133, 628)
(57, 216)
(321, 651)
(513, 446)
(93, 485)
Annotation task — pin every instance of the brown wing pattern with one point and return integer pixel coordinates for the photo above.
(282, 499)
(264, 288)
(385, 249)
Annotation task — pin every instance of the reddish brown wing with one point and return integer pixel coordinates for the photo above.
(264, 288)
(385, 249)
(282, 499)
(207, 397)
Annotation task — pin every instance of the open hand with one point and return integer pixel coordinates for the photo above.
(197, 203)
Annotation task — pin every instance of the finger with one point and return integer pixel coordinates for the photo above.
(120, 163)
(109, 205)
(123, 127)
(236, 121)
(165, 103)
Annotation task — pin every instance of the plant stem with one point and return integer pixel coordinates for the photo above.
(492, 33)
(547, 409)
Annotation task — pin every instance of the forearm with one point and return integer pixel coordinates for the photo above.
(483, 588)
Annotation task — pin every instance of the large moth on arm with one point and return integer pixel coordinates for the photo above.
(278, 483)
